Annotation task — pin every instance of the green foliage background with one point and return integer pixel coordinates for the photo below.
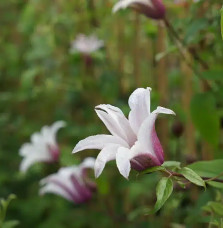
(41, 82)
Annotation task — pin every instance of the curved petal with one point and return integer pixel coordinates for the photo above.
(139, 103)
(49, 132)
(88, 163)
(53, 188)
(123, 162)
(107, 154)
(146, 132)
(57, 125)
(122, 4)
(98, 142)
(116, 122)
(33, 158)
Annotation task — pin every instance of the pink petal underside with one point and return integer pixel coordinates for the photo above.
(83, 193)
(147, 137)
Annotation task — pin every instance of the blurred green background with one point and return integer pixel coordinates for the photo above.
(41, 82)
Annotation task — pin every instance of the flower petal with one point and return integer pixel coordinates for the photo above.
(122, 4)
(53, 188)
(146, 131)
(88, 163)
(49, 132)
(107, 154)
(33, 158)
(123, 162)
(98, 142)
(139, 103)
(116, 122)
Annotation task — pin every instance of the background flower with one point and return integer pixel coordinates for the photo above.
(71, 183)
(42, 148)
(86, 44)
(154, 9)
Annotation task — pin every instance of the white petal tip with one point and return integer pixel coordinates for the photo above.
(165, 111)
(149, 88)
(75, 150)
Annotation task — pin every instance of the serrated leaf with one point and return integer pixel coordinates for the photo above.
(193, 177)
(205, 117)
(163, 191)
(171, 164)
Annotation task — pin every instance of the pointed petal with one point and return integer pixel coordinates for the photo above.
(49, 132)
(106, 154)
(123, 162)
(116, 122)
(98, 142)
(57, 125)
(88, 163)
(139, 103)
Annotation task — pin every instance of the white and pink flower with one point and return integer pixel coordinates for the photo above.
(154, 9)
(133, 142)
(71, 183)
(42, 148)
(86, 44)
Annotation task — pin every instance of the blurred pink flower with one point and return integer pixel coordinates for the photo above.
(86, 44)
(71, 183)
(42, 148)
(154, 9)
(133, 142)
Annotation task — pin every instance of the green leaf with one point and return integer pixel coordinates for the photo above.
(163, 191)
(171, 164)
(152, 170)
(205, 117)
(194, 29)
(215, 184)
(10, 224)
(217, 207)
(208, 168)
(213, 74)
(193, 177)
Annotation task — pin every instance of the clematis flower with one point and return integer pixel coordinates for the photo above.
(42, 148)
(86, 44)
(71, 183)
(133, 142)
(154, 9)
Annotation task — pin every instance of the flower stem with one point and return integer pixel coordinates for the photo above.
(182, 47)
